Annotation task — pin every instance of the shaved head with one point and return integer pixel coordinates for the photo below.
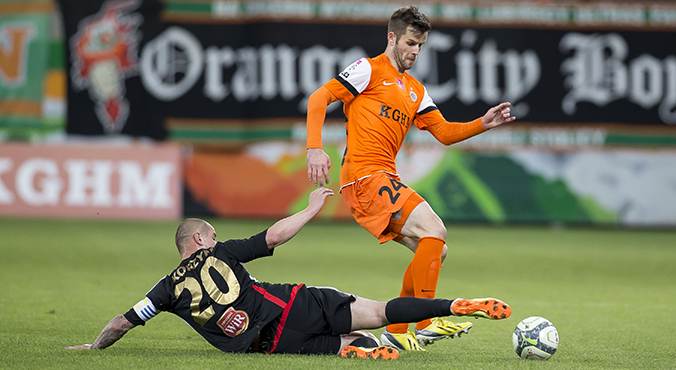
(186, 229)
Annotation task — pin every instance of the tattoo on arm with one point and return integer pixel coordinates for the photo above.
(116, 328)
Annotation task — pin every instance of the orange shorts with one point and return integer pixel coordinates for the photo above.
(376, 201)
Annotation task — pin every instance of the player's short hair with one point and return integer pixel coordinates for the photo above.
(407, 16)
(186, 229)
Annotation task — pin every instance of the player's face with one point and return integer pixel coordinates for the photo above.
(209, 238)
(407, 49)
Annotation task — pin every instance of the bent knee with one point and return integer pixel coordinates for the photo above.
(436, 229)
(444, 252)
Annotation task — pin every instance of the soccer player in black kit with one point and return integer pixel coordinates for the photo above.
(213, 292)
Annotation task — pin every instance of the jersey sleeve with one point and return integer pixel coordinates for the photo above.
(351, 81)
(348, 84)
(316, 113)
(446, 132)
(244, 250)
(426, 106)
(156, 300)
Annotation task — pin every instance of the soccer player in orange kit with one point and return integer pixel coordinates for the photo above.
(381, 102)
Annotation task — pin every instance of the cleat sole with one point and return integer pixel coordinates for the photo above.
(378, 353)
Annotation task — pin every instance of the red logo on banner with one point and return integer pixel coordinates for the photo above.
(104, 53)
(233, 322)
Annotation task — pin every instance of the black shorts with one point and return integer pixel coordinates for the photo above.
(317, 318)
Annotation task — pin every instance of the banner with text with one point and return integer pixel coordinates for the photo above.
(130, 70)
(550, 76)
(135, 181)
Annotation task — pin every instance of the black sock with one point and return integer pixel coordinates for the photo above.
(364, 342)
(410, 309)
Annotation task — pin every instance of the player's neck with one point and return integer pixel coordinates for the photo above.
(188, 251)
(390, 57)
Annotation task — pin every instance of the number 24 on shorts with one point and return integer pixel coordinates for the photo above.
(396, 185)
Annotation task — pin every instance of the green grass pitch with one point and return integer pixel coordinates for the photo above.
(610, 293)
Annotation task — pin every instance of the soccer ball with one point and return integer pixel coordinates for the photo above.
(535, 338)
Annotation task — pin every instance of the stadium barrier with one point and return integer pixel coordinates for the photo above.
(483, 180)
(231, 80)
(91, 180)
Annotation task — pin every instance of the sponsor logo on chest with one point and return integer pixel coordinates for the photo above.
(395, 115)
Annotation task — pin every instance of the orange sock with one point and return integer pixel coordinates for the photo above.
(425, 268)
(407, 290)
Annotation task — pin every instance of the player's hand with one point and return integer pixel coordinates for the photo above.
(497, 115)
(82, 346)
(318, 164)
(317, 199)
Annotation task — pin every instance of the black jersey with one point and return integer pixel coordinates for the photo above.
(213, 292)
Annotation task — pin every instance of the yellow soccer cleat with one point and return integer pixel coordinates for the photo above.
(441, 328)
(490, 308)
(401, 341)
(376, 353)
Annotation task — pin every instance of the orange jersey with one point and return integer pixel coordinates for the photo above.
(380, 104)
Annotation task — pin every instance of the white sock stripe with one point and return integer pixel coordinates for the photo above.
(451, 308)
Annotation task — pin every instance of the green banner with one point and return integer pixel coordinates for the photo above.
(496, 188)
(25, 47)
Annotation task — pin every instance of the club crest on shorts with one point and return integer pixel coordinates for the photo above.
(233, 322)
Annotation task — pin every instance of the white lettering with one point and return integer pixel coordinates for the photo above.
(6, 196)
(278, 72)
(244, 81)
(317, 66)
(479, 68)
(666, 110)
(171, 64)
(426, 67)
(149, 191)
(216, 60)
(79, 181)
(46, 173)
(598, 73)
(646, 78)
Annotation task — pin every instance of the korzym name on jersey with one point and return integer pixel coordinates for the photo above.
(192, 264)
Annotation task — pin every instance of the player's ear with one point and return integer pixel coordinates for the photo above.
(391, 38)
(197, 237)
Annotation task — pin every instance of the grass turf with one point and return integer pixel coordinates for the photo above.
(610, 293)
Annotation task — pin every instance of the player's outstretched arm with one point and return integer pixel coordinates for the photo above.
(116, 329)
(497, 115)
(318, 162)
(288, 227)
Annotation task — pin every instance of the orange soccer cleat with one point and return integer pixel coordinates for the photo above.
(490, 308)
(380, 353)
